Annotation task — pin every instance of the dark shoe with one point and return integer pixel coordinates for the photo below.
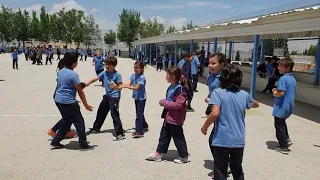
(88, 148)
(92, 131)
(119, 137)
(195, 91)
(282, 150)
(56, 145)
(136, 135)
(145, 129)
(189, 109)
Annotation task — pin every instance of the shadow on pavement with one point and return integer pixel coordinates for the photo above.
(208, 164)
(272, 144)
(301, 109)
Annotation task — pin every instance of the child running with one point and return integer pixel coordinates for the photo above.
(284, 103)
(229, 105)
(14, 56)
(110, 102)
(98, 64)
(174, 115)
(53, 131)
(65, 98)
(137, 83)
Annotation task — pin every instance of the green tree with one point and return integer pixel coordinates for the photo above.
(312, 51)
(56, 30)
(171, 29)
(151, 28)
(22, 23)
(7, 28)
(34, 32)
(110, 39)
(272, 44)
(128, 27)
(92, 33)
(189, 26)
(45, 28)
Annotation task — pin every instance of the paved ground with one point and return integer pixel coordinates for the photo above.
(27, 110)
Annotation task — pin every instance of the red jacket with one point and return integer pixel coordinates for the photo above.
(175, 112)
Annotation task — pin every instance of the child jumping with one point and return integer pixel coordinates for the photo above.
(137, 83)
(65, 98)
(174, 115)
(110, 102)
(284, 103)
(229, 105)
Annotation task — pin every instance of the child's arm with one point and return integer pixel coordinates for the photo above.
(211, 118)
(255, 104)
(129, 86)
(281, 90)
(83, 97)
(92, 81)
(277, 93)
(178, 104)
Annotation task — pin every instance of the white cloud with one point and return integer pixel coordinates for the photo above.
(159, 19)
(35, 7)
(68, 5)
(94, 10)
(178, 22)
(142, 19)
(105, 25)
(188, 4)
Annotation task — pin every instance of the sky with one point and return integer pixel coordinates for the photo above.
(168, 12)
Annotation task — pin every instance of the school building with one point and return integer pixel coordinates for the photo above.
(297, 21)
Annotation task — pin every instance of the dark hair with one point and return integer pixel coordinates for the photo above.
(70, 58)
(189, 55)
(197, 53)
(268, 59)
(183, 55)
(140, 64)
(286, 62)
(231, 78)
(111, 61)
(60, 64)
(176, 72)
(221, 58)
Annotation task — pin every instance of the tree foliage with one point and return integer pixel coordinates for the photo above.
(312, 51)
(151, 28)
(128, 27)
(171, 29)
(110, 38)
(64, 26)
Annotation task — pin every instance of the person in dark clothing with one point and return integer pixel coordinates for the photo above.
(58, 53)
(187, 76)
(159, 62)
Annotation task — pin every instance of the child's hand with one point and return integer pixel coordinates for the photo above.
(87, 83)
(161, 102)
(206, 100)
(88, 107)
(274, 89)
(204, 130)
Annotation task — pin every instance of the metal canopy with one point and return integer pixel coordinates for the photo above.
(287, 25)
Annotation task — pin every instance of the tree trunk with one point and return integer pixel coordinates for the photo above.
(23, 44)
(129, 50)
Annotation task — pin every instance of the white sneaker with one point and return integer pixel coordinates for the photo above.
(204, 116)
(153, 157)
(182, 160)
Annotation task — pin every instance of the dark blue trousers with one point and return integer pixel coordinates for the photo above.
(140, 119)
(71, 114)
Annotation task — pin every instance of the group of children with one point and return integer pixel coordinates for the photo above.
(227, 105)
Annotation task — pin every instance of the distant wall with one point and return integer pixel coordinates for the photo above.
(306, 92)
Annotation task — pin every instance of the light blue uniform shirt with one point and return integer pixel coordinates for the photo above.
(230, 126)
(213, 82)
(107, 78)
(283, 106)
(194, 65)
(66, 92)
(139, 94)
(98, 62)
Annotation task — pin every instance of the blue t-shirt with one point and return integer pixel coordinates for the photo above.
(107, 78)
(213, 82)
(194, 65)
(181, 63)
(98, 62)
(66, 92)
(14, 55)
(230, 126)
(26, 51)
(172, 90)
(139, 94)
(283, 106)
(146, 60)
(269, 70)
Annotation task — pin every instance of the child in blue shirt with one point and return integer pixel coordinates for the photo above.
(146, 61)
(137, 83)
(284, 103)
(97, 62)
(65, 99)
(195, 70)
(228, 113)
(110, 102)
(49, 54)
(14, 55)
